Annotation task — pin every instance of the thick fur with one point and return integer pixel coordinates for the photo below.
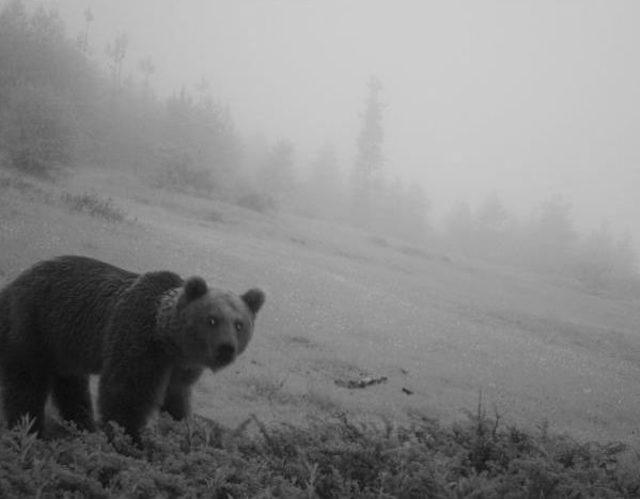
(149, 336)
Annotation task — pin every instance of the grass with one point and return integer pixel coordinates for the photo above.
(270, 390)
(477, 457)
(26, 188)
(16, 183)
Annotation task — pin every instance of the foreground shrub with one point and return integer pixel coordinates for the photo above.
(337, 458)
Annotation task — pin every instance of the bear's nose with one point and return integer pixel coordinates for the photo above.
(226, 354)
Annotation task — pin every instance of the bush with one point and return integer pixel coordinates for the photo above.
(94, 206)
(255, 201)
(336, 458)
(179, 173)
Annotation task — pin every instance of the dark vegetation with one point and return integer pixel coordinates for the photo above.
(547, 242)
(339, 458)
(94, 205)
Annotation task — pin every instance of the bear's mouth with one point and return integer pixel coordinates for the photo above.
(225, 355)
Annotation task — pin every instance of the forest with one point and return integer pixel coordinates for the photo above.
(62, 110)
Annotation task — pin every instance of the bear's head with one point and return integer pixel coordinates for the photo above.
(216, 325)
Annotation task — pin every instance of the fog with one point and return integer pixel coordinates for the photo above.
(525, 99)
(438, 197)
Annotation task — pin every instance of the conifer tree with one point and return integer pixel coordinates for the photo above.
(369, 159)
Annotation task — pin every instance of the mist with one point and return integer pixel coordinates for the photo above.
(527, 100)
(478, 103)
(438, 199)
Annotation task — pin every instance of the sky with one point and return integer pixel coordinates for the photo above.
(524, 98)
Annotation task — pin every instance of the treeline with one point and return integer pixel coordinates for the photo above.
(546, 241)
(62, 109)
(59, 109)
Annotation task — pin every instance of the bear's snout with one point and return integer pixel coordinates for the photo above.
(225, 354)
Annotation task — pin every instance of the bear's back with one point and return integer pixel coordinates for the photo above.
(63, 307)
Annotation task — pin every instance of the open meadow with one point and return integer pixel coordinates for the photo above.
(342, 305)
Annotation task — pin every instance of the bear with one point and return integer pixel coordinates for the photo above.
(149, 336)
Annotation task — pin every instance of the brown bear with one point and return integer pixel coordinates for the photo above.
(149, 336)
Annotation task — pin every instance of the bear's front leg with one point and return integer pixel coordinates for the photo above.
(24, 392)
(130, 390)
(71, 395)
(177, 400)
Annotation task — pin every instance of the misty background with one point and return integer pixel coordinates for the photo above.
(504, 130)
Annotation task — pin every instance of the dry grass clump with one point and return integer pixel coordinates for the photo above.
(94, 205)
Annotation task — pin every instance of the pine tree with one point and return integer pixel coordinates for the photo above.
(116, 52)
(324, 192)
(276, 176)
(459, 226)
(552, 236)
(369, 160)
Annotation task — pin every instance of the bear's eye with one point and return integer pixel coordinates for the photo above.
(213, 322)
(239, 325)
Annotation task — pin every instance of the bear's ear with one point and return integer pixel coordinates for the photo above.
(254, 298)
(194, 288)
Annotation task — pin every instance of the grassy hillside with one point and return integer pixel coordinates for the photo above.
(341, 305)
